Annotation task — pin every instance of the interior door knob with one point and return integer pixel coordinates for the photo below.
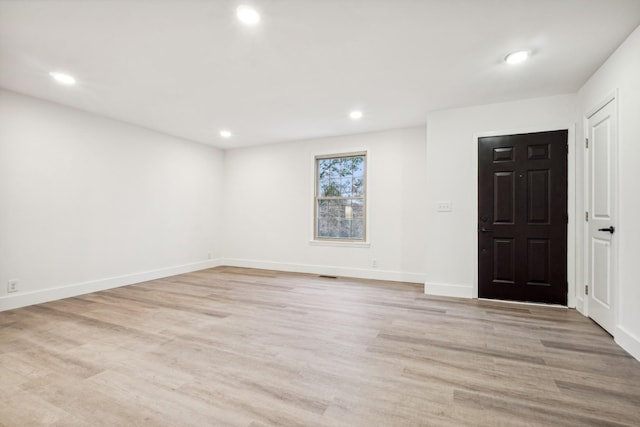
(610, 229)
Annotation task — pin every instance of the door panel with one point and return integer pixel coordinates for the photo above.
(538, 262)
(504, 269)
(539, 203)
(601, 146)
(522, 217)
(504, 197)
(601, 262)
(602, 155)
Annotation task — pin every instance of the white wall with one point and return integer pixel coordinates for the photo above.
(622, 72)
(269, 207)
(451, 246)
(88, 203)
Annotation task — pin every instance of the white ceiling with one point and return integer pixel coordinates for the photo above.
(188, 68)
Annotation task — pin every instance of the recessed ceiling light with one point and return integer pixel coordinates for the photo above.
(225, 134)
(247, 15)
(62, 78)
(517, 57)
(355, 115)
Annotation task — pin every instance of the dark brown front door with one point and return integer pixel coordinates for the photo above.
(522, 217)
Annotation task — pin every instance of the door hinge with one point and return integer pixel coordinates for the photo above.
(586, 289)
(586, 216)
(586, 143)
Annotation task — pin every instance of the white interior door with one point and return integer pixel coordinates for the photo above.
(602, 155)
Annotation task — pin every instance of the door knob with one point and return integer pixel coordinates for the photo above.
(610, 229)
(484, 230)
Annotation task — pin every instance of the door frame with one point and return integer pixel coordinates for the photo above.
(611, 97)
(571, 200)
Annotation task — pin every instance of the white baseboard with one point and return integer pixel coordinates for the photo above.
(361, 273)
(22, 299)
(629, 342)
(448, 290)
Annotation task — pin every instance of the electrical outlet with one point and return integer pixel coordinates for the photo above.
(374, 263)
(12, 286)
(209, 255)
(443, 206)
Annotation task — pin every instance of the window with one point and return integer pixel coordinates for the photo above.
(340, 199)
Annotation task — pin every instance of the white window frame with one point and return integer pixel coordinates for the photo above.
(326, 241)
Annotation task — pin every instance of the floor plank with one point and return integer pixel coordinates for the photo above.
(240, 347)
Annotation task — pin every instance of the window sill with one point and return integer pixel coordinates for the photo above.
(338, 244)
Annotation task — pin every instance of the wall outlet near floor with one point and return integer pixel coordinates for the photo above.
(374, 263)
(12, 286)
(209, 255)
(444, 206)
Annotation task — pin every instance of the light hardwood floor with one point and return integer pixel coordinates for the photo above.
(238, 347)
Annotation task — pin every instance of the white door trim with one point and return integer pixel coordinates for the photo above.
(611, 96)
(571, 200)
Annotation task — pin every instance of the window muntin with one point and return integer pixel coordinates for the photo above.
(340, 197)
